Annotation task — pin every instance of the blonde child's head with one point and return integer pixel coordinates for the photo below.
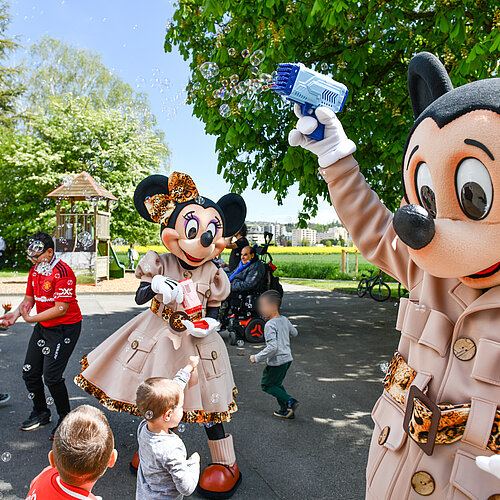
(160, 399)
(83, 446)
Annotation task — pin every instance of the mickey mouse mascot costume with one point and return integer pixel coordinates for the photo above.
(440, 406)
(185, 288)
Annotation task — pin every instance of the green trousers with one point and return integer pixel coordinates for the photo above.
(272, 383)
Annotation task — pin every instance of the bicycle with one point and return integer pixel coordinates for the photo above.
(375, 285)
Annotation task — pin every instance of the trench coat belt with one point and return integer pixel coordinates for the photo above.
(426, 422)
(167, 312)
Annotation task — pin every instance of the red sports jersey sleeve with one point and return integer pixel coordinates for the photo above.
(65, 289)
(29, 287)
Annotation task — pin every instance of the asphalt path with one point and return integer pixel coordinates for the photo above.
(336, 376)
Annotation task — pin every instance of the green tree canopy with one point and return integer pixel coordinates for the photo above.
(54, 68)
(366, 45)
(10, 88)
(71, 136)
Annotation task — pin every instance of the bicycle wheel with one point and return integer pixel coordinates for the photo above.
(362, 287)
(380, 291)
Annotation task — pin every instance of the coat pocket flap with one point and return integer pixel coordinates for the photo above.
(208, 350)
(470, 480)
(202, 288)
(427, 326)
(140, 342)
(403, 306)
(388, 417)
(487, 362)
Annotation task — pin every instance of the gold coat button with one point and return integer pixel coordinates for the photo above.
(214, 354)
(134, 344)
(208, 293)
(496, 496)
(423, 483)
(188, 274)
(464, 349)
(384, 434)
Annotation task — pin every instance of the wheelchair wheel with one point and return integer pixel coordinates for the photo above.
(362, 287)
(232, 338)
(254, 331)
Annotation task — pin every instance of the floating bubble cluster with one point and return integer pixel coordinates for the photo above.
(209, 70)
(35, 247)
(257, 58)
(85, 239)
(384, 367)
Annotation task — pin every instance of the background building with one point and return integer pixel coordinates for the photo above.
(300, 236)
(334, 233)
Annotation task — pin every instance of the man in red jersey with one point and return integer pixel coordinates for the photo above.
(52, 288)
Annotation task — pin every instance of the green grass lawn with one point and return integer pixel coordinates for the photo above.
(337, 285)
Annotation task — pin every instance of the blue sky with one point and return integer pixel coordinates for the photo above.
(129, 35)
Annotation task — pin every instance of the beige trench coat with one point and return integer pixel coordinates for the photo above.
(147, 347)
(437, 313)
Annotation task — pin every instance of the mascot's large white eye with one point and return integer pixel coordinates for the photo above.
(425, 188)
(191, 227)
(474, 188)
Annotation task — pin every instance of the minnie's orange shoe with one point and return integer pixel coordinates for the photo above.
(134, 465)
(219, 481)
(222, 477)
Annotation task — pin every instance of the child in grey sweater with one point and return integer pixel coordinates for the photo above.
(165, 472)
(277, 353)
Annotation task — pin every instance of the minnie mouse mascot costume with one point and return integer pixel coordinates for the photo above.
(185, 288)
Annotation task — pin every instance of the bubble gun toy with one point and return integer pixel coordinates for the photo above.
(310, 90)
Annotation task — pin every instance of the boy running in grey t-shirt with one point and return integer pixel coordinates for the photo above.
(165, 472)
(277, 353)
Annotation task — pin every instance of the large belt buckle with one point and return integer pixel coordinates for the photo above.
(415, 392)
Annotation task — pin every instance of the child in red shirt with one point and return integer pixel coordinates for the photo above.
(52, 288)
(82, 451)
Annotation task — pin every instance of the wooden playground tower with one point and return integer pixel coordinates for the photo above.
(83, 239)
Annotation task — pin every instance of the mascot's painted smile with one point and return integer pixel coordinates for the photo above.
(486, 273)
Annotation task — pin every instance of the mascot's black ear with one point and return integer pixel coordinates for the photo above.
(234, 208)
(427, 80)
(154, 184)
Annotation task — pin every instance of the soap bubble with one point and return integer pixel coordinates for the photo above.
(324, 66)
(35, 247)
(216, 93)
(234, 78)
(225, 110)
(224, 93)
(6, 456)
(245, 53)
(240, 343)
(254, 70)
(214, 398)
(257, 106)
(384, 367)
(85, 239)
(67, 340)
(46, 350)
(26, 368)
(257, 57)
(200, 200)
(209, 88)
(307, 54)
(63, 241)
(209, 70)
(231, 52)
(197, 86)
(334, 396)
(181, 427)
(227, 29)
(148, 414)
(266, 79)
(31, 395)
(50, 401)
(40, 343)
(245, 102)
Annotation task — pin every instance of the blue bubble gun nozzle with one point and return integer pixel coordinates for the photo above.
(310, 90)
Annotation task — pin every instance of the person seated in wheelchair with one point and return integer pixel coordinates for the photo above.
(249, 275)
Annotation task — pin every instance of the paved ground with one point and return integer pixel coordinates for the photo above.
(320, 455)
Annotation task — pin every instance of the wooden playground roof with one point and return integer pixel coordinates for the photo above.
(80, 188)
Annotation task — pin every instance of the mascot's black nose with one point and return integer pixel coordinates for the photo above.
(206, 239)
(414, 226)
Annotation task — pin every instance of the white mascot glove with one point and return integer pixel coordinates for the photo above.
(489, 464)
(333, 147)
(169, 288)
(201, 332)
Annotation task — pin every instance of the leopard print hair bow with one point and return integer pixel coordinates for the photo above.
(181, 189)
